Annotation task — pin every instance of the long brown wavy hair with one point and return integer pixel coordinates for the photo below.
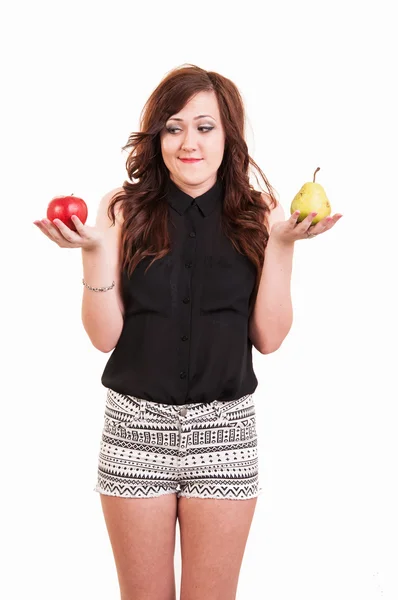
(143, 203)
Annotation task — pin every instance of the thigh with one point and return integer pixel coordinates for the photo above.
(142, 536)
(213, 540)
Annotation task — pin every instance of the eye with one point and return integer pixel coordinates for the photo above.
(203, 128)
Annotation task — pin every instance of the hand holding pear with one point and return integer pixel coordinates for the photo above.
(311, 198)
(310, 216)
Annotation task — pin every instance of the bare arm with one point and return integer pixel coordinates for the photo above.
(103, 312)
(272, 315)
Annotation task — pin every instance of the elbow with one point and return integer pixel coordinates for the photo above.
(269, 349)
(105, 348)
(102, 343)
(261, 345)
(270, 340)
(269, 346)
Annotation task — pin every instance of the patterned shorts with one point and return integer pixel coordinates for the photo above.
(206, 450)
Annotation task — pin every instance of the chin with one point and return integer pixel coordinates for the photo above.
(194, 178)
(197, 177)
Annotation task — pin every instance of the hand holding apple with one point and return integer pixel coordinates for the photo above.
(65, 224)
(63, 207)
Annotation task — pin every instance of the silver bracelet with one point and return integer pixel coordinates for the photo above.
(100, 289)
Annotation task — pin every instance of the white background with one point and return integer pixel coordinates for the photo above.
(318, 83)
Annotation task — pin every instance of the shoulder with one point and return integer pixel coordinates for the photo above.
(103, 219)
(274, 213)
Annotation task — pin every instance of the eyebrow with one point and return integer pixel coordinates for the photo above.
(195, 118)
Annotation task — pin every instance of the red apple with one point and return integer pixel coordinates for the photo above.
(63, 207)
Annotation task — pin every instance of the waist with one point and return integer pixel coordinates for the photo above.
(172, 366)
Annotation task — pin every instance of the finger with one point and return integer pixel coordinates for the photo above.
(329, 222)
(337, 217)
(325, 224)
(51, 228)
(294, 217)
(306, 223)
(309, 218)
(54, 232)
(320, 227)
(67, 233)
(79, 225)
(43, 229)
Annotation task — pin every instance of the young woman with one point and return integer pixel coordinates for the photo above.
(187, 268)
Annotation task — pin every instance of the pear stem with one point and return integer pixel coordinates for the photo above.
(316, 171)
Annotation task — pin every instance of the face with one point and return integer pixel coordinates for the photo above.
(196, 132)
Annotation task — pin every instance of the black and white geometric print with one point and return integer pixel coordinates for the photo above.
(206, 450)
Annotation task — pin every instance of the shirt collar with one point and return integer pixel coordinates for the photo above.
(207, 202)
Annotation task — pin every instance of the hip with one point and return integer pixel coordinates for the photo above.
(127, 410)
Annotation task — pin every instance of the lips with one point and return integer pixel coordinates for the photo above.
(190, 160)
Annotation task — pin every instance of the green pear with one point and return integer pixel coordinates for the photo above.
(311, 198)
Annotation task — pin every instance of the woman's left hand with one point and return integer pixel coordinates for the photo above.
(290, 231)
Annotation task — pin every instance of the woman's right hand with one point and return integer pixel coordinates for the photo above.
(87, 238)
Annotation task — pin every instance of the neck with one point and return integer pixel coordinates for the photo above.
(194, 190)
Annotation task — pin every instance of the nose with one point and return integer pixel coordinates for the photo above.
(189, 142)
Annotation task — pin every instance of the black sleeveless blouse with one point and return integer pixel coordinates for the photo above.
(185, 334)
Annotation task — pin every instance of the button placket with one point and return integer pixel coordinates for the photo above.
(182, 412)
(188, 262)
